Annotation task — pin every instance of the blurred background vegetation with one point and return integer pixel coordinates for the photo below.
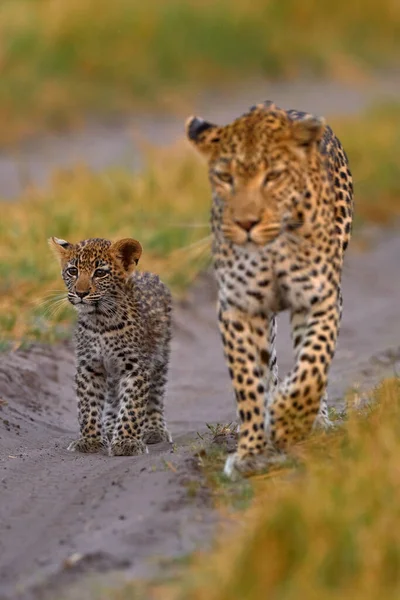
(61, 60)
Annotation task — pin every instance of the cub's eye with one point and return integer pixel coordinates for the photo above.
(272, 176)
(72, 271)
(224, 177)
(100, 273)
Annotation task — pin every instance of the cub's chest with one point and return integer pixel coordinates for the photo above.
(102, 341)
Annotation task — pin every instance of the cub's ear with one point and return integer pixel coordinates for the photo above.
(59, 248)
(128, 252)
(307, 131)
(203, 135)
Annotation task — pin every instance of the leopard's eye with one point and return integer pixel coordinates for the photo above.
(224, 177)
(272, 176)
(101, 272)
(72, 271)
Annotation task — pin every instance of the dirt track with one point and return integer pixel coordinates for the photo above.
(121, 513)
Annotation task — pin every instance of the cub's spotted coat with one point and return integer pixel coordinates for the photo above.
(122, 345)
(281, 222)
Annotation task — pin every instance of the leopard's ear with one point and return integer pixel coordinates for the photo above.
(308, 130)
(203, 135)
(127, 252)
(59, 248)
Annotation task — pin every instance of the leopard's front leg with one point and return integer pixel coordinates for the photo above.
(111, 407)
(127, 438)
(90, 380)
(298, 323)
(250, 355)
(298, 400)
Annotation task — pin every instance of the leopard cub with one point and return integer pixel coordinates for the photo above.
(122, 342)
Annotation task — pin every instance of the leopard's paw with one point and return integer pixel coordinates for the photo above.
(88, 445)
(127, 447)
(245, 465)
(155, 436)
(322, 421)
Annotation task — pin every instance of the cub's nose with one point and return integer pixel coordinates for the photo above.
(81, 294)
(248, 225)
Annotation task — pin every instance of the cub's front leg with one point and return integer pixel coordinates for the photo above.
(90, 380)
(133, 393)
(111, 407)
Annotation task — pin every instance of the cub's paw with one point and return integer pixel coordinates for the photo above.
(155, 436)
(245, 465)
(127, 447)
(88, 445)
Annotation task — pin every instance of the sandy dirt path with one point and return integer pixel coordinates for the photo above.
(123, 513)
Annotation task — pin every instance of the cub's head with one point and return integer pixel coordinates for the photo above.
(261, 165)
(96, 270)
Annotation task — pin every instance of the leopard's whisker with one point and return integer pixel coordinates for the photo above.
(49, 300)
(190, 225)
(53, 310)
(47, 306)
(205, 241)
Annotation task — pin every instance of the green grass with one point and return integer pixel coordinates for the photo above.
(166, 207)
(62, 60)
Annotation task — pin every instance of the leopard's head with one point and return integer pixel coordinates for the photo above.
(264, 166)
(95, 271)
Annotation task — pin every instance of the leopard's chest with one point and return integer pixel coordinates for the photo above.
(270, 279)
(247, 279)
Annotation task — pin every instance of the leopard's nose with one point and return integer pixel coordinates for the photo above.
(248, 225)
(82, 294)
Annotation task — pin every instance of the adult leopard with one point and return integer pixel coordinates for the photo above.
(281, 221)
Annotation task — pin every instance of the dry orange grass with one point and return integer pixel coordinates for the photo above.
(326, 529)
